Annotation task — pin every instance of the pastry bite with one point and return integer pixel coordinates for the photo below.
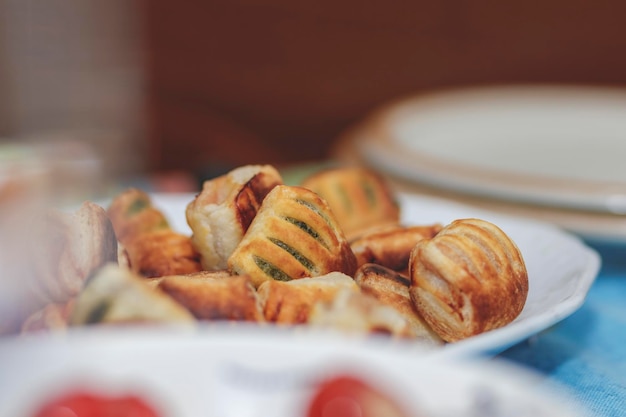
(116, 295)
(161, 253)
(148, 245)
(215, 295)
(359, 197)
(390, 245)
(294, 235)
(468, 279)
(291, 302)
(133, 214)
(392, 289)
(360, 313)
(220, 215)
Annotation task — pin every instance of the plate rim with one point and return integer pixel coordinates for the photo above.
(378, 146)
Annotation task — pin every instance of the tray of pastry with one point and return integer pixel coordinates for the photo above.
(339, 252)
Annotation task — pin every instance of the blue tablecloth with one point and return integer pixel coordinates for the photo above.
(586, 352)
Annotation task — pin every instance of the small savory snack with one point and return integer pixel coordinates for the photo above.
(468, 279)
(148, 245)
(291, 302)
(162, 253)
(215, 295)
(133, 214)
(390, 245)
(359, 197)
(115, 295)
(220, 215)
(361, 313)
(392, 289)
(294, 235)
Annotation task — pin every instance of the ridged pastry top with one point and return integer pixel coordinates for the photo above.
(360, 198)
(468, 279)
(294, 235)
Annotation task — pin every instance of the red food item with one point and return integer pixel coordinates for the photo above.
(349, 396)
(85, 404)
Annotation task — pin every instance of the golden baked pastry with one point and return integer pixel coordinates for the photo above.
(361, 313)
(390, 245)
(294, 235)
(116, 295)
(468, 279)
(162, 253)
(148, 245)
(359, 197)
(291, 302)
(132, 214)
(392, 289)
(215, 295)
(220, 215)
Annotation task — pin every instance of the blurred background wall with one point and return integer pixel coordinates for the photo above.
(73, 71)
(206, 85)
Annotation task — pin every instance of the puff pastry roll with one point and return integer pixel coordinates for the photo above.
(148, 245)
(391, 245)
(392, 289)
(215, 295)
(117, 295)
(294, 235)
(291, 302)
(468, 279)
(220, 215)
(359, 197)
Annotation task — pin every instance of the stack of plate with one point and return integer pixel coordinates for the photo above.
(551, 152)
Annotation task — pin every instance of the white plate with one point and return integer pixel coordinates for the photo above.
(234, 372)
(543, 145)
(560, 267)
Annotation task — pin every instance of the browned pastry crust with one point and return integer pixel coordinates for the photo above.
(148, 245)
(468, 279)
(359, 197)
(220, 215)
(116, 295)
(390, 245)
(161, 253)
(291, 302)
(392, 289)
(294, 235)
(361, 313)
(132, 214)
(215, 295)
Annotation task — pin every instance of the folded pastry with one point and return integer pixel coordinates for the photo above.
(390, 245)
(291, 302)
(359, 197)
(116, 295)
(468, 279)
(215, 295)
(148, 245)
(361, 313)
(220, 215)
(392, 289)
(161, 253)
(132, 214)
(294, 235)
